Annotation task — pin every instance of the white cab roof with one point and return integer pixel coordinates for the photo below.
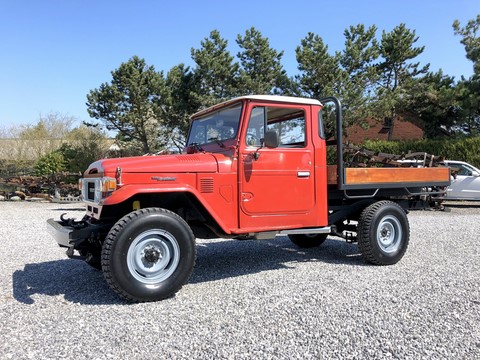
(273, 98)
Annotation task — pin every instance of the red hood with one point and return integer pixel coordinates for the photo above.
(198, 163)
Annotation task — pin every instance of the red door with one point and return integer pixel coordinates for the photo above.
(277, 184)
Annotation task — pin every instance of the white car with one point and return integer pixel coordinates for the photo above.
(465, 181)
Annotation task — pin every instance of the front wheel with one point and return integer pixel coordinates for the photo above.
(148, 255)
(383, 233)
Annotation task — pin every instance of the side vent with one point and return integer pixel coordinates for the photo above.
(188, 158)
(206, 185)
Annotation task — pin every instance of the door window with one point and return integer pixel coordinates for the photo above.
(463, 170)
(287, 123)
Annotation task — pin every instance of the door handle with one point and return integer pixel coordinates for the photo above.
(303, 174)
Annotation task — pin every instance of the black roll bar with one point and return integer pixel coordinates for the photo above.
(339, 138)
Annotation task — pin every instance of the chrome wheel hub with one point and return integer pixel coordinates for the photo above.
(389, 234)
(153, 256)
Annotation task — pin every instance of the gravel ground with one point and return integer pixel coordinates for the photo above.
(248, 299)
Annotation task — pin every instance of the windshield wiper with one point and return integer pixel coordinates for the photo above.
(196, 147)
(217, 140)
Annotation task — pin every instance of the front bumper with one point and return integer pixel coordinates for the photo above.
(60, 233)
(72, 236)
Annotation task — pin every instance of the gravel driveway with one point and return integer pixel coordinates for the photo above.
(247, 299)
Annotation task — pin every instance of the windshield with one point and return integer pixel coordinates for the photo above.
(215, 127)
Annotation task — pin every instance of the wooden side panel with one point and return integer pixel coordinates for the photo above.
(365, 176)
(331, 174)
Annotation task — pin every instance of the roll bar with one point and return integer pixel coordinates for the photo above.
(338, 138)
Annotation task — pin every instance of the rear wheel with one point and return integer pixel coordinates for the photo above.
(148, 255)
(383, 233)
(308, 240)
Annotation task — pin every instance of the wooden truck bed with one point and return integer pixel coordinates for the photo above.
(390, 177)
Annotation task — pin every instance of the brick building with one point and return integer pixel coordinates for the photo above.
(378, 130)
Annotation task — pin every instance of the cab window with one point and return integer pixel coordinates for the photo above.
(287, 123)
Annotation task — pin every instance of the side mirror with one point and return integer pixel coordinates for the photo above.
(475, 173)
(271, 139)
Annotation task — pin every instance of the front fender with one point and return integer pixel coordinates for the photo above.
(128, 191)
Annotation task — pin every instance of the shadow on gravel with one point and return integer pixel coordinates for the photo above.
(231, 258)
(72, 278)
(216, 260)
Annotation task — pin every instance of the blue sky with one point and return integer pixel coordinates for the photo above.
(53, 52)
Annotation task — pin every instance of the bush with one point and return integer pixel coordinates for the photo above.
(50, 164)
(466, 149)
(15, 168)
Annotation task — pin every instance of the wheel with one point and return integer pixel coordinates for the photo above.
(383, 233)
(148, 255)
(308, 240)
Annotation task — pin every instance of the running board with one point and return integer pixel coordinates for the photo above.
(271, 234)
(322, 230)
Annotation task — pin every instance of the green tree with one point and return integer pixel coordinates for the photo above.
(358, 61)
(44, 137)
(83, 146)
(261, 71)
(469, 89)
(397, 72)
(49, 164)
(183, 102)
(319, 72)
(470, 34)
(53, 125)
(435, 102)
(215, 73)
(132, 105)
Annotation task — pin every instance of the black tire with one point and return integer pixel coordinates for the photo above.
(383, 233)
(308, 241)
(148, 255)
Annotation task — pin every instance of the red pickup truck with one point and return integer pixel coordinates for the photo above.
(254, 167)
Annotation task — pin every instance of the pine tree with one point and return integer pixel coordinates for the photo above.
(215, 74)
(320, 73)
(132, 105)
(469, 89)
(397, 72)
(182, 103)
(261, 69)
(358, 61)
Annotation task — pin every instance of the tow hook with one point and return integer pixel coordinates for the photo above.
(72, 222)
(71, 255)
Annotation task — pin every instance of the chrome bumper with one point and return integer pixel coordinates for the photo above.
(62, 234)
